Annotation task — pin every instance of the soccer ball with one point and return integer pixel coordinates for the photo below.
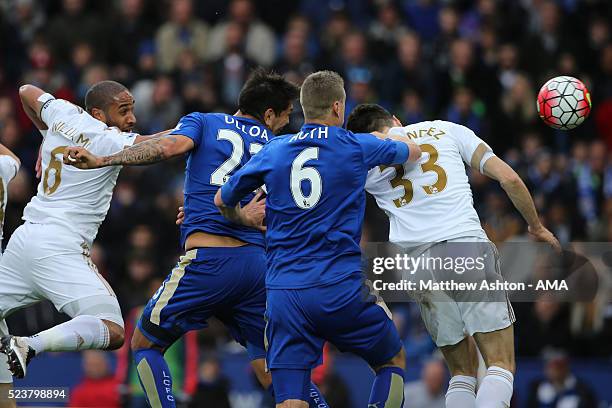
(564, 102)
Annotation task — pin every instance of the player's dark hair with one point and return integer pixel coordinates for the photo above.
(369, 117)
(101, 95)
(266, 90)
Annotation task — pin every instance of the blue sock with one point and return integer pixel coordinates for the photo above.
(155, 378)
(388, 388)
(315, 398)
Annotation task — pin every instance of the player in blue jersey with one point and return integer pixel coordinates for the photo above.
(223, 270)
(314, 212)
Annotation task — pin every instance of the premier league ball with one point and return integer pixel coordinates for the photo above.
(564, 102)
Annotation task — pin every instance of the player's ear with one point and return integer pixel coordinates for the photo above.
(269, 117)
(98, 114)
(337, 108)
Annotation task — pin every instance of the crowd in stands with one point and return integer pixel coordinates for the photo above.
(479, 63)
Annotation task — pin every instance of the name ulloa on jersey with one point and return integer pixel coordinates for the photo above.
(253, 131)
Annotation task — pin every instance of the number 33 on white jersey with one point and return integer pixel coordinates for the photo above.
(431, 200)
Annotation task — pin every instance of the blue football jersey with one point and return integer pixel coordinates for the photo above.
(315, 205)
(223, 143)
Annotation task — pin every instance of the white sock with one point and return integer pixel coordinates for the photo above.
(461, 392)
(496, 389)
(81, 333)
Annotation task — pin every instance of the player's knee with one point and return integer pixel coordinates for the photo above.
(466, 367)
(399, 360)
(139, 341)
(505, 363)
(116, 335)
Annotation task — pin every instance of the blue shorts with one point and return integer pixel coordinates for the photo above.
(299, 321)
(227, 283)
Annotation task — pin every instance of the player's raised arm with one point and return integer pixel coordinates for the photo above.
(518, 193)
(32, 99)
(414, 151)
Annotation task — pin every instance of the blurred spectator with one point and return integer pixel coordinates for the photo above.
(258, 37)
(430, 390)
(132, 27)
(332, 35)
(25, 18)
(99, 388)
(406, 72)
(385, 31)
(462, 110)
(182, 32)
(423, 17)
(294, 62)
(560, 388)
(448, 20)
(411, 109)
(232, 69)
(544, 326)
(543, 46)
(158, 107)
(517, 108)
(213, 388)
(74, 25)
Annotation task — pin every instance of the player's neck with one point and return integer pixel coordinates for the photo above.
(322, 121)
(246, 115)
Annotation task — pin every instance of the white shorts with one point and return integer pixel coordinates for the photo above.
(450, 316)
(45, 261)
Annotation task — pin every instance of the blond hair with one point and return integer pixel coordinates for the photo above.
(319, 92)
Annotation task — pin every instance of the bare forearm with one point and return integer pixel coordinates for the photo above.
(148, 152)
(522, 201)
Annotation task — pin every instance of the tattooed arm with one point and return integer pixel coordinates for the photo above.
(150, 151)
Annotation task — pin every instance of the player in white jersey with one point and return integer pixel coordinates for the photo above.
(9, 166)
(48, 257)
(429, 204)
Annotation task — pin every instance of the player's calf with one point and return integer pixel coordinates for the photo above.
(388, 387)
(153, 371)
(462, 361)
(497, 349)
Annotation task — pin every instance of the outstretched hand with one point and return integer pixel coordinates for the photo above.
(81, 158)
(541, 233)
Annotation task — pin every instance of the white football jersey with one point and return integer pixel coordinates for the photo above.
(431, 200)
(8, 170)
(77, 199)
